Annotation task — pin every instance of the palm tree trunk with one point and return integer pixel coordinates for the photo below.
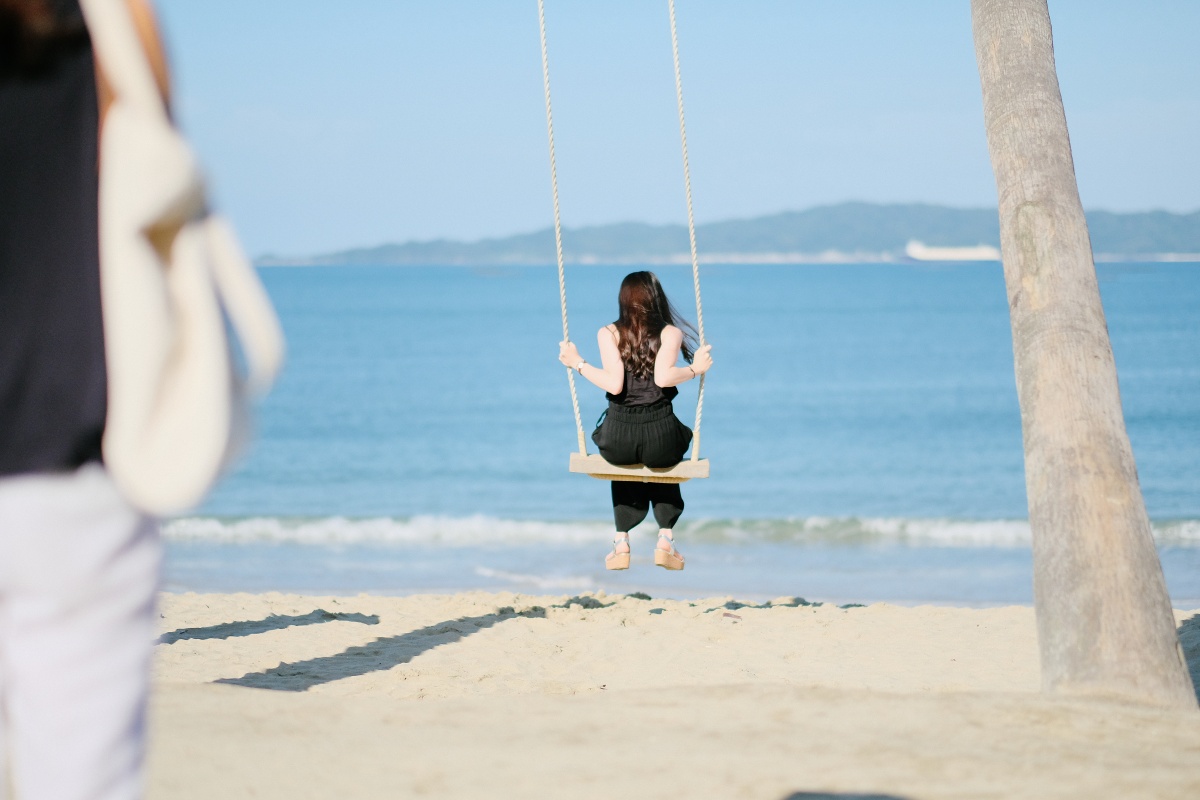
(1104, 618)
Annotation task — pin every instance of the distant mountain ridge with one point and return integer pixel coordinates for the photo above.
(844, 232)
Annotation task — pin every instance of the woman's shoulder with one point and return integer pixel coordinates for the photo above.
(670, 333)
(609, 332)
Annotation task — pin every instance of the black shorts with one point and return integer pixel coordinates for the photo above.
(650, 435)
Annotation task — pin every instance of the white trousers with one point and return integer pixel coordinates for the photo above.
(79, 570)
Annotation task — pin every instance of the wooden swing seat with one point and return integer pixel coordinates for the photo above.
(597, 467)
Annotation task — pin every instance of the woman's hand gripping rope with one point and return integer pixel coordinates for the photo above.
(568, 354)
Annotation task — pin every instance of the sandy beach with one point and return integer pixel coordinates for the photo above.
(502, 695)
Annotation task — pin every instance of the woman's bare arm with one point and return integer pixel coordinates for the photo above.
(146, 23)
(665, 372)
(610, 377)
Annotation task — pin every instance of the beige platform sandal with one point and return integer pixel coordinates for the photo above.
(615, 560)
(668, 559)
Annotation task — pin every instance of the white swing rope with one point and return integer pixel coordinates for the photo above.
(562, 281)
(687, 184)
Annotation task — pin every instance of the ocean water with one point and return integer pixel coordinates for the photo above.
(861, 421)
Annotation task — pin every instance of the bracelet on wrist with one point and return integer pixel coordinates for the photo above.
(579, 366)
(689, 366)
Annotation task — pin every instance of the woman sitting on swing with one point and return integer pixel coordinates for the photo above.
(639, 353)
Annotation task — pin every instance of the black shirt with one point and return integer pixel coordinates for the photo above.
(641, 392)
(52, 374)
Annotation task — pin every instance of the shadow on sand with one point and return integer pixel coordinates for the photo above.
(385, 653)
(795, 602)
(274, 622)
(1189, 637)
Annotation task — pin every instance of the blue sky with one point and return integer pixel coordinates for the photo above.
(327, 125)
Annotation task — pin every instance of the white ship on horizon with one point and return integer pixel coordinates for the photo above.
(918, 251)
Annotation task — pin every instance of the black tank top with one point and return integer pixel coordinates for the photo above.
(52, 372)
(641, 392)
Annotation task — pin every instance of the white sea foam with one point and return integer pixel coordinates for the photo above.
(477, 531)
(422, 530)
(573, 583)
(1180, 533)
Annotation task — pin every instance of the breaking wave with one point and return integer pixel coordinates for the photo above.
(476, 531)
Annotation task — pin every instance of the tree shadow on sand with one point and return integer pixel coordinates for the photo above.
(274, 622)
(1189, 637)
(388, 652)
(841, 796)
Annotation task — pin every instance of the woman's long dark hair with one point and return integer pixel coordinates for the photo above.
(644, 312)
(34, 34)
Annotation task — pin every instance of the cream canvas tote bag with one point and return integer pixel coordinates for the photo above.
(174, 283)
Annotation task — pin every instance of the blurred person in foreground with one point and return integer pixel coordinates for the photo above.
(79, 567)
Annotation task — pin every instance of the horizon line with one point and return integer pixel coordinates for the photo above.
(274, 257)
